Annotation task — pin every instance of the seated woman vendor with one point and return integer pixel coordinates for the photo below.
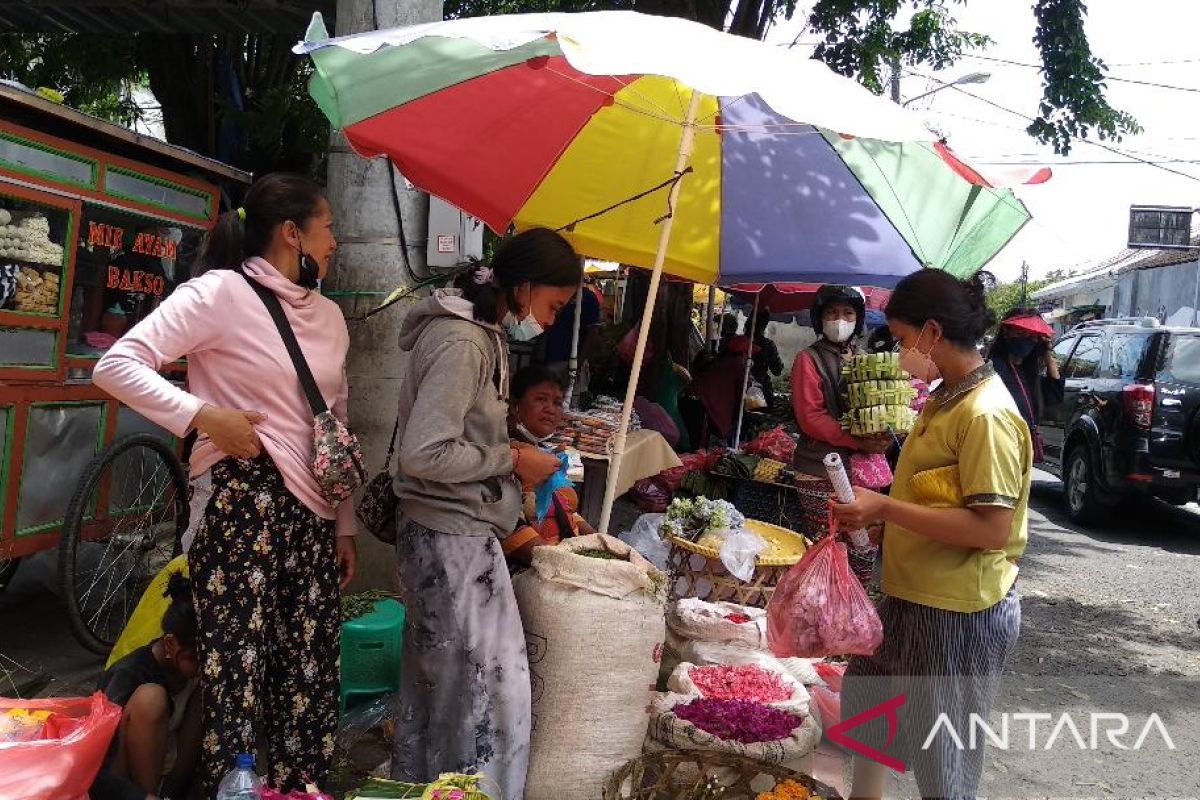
(157, 746)
(535, 414)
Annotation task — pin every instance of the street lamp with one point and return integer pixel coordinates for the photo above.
(970, 77)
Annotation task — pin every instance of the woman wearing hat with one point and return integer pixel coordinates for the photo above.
(1022, 358)
(819, 401)
(818, 389)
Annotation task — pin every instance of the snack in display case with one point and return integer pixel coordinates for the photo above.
(30, 262)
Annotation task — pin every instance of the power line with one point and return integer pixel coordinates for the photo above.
(1114, 78)
(1078, 163)
(1157, 63)
(1102, 146)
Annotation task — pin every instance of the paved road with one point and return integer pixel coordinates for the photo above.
(1110, 623)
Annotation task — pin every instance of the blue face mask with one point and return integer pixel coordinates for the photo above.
(1021, 348)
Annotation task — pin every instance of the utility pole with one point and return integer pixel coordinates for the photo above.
(370, 259)
(895, 80)
(1024, 283)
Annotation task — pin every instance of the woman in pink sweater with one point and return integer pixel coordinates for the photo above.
(269, 551)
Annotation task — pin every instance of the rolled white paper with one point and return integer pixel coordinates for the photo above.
(845, 494)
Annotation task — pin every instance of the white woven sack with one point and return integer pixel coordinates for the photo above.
(594, 629)
(670, 731)
(681, 683)
(706, 622)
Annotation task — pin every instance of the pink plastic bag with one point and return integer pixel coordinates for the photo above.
(62, 766)
(828, 705)
(832, 674)
(820, 609)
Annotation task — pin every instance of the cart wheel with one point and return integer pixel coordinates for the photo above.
(110, 553)
(8, 568)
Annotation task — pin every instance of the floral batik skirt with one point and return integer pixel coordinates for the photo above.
(464, 702)
(268, 608)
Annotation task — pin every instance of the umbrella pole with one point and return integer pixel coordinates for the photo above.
(686, 141)
(573, 364)
(737, 432)
(709, 313)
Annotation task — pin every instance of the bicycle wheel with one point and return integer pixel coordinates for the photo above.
(123, 525)
(8, 568)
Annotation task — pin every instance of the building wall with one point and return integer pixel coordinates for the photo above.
(1168, 294)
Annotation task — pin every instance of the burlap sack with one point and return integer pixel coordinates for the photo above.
(673, 733)
(681, 683)
(707, 622)
(595, 631)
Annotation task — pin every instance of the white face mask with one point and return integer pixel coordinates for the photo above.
(919, 364)
(522, 330)
(528, 434)
(838, 330)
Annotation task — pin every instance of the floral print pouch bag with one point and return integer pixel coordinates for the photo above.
(337, 459)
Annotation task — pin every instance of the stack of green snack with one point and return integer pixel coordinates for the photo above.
(879, 394)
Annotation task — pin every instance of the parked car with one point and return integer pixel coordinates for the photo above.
(1128, 424)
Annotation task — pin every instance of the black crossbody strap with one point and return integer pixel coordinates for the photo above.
(275, 309)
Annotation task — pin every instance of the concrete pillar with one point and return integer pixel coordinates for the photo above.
(369, 258)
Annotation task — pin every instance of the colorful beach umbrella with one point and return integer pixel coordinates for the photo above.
(662, 143)
(798, 174)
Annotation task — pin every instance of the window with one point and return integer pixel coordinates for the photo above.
(1127, 350)
(1085, 363)
(31, 256)
(1063, 349)
(124, 266)
(1183, 360)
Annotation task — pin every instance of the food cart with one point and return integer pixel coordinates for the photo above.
(97, 225)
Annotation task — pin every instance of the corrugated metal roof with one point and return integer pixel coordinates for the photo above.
(162, 16)
(1127, 259)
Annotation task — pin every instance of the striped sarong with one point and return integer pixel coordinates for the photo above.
(947, 665)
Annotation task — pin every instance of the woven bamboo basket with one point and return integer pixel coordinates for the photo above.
(697, 571)
(682, 775)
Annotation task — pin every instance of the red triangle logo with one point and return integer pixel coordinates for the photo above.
(837, 733)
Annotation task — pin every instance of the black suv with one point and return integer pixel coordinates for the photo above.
(1128, 423)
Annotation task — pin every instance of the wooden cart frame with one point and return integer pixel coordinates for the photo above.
(66, 163)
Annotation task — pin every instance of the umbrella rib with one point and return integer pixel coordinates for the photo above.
(922, 255)
(669, 182)
(664, 118)
(649, 101)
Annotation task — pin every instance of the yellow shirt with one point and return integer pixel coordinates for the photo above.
(973, 433)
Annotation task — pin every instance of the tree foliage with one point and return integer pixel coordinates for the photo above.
(1007, 296)
(240, 98)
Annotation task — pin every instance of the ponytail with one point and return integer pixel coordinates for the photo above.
(179, 620)
(538, 256)
(246, 232)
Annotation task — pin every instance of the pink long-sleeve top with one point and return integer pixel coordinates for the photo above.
(237, 359)
(808, 401)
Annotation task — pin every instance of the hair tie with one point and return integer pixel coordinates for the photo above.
(483, 276)
(241, 212)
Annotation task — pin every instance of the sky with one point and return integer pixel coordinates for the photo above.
(1082, 213)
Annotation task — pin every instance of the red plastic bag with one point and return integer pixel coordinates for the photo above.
(63, 767)
(828, 705)
(650, 496)
(820, 609)
(832, 674)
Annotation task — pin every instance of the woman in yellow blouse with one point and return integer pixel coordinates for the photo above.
(955, 526)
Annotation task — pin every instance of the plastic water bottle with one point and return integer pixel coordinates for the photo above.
(241, 782)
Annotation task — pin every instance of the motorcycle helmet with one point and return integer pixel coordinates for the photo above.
(833, 293)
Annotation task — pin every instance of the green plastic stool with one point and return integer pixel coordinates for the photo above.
(371, 652)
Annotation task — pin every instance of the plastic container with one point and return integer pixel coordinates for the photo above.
(241, 782)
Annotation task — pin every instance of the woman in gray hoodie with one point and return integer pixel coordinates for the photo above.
(465, 694)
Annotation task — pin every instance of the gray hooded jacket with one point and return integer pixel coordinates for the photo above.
(454, 472)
